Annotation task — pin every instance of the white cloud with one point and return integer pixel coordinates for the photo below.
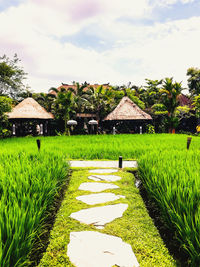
(136, 52)
(171, 2)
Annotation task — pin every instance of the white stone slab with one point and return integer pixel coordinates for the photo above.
(108, 178)
(96, 187)
(94, 199)
(103, 163)
(103, 171)
(99, 216)
(93, 249)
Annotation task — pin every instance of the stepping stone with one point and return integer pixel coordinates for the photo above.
(89, 249)
(109, 178)
(99, 216)
(103, 171)
(93, 199)
(96, 187)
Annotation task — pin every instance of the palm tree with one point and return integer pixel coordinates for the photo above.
(45, 100)
(100, 100)
(151, 93)
(80, 96)
(63, 106)
(169, 95)
(133, 92)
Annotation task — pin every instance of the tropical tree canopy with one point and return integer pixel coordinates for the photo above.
(62, 106)
(100, 101)
(5, 106)
(194, 81)
(79, 96)
(196, 103)
(11, 76)
(170, 92)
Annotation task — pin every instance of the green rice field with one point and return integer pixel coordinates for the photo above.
(29, 181)
(101, 146)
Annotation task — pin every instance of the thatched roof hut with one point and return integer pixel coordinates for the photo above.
(29, 109)
(127, 110)
(28, 117)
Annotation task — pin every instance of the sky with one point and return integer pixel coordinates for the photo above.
(101, 41)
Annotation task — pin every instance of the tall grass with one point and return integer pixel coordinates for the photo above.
(28, 185)
(101, 146)
(173, 180)
(28, 182)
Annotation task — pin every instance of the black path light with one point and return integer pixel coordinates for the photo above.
(120, 162)
(93, 123)
(72, 124)
(38, 144)
(189, 139)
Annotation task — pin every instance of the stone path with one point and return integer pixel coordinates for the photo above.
(99, 216)
(92, 248)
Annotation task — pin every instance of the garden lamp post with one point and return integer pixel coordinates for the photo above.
(93, 123)
(72, 123)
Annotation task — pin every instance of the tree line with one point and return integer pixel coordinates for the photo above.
(160, 98)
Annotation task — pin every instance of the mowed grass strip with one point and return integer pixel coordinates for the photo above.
(135, 227)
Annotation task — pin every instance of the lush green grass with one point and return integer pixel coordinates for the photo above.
(170, 173)
(28, 185)
(101, 146)
(172, 178)
(135, 226)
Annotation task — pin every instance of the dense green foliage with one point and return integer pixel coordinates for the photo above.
(11, 76)
(5, 106)
(194, 81)
(159, 98)
(28, 185)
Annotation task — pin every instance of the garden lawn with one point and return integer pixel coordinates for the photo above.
(135, 227)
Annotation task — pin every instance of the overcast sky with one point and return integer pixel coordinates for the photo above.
(101, 41)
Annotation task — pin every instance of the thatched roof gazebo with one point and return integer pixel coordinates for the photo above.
(28, 117)
(127, 116)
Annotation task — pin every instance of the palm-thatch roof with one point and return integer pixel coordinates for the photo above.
(127, 110)
(29, 109)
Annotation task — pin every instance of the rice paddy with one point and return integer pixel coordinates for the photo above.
(29, 181)
(28, 185)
